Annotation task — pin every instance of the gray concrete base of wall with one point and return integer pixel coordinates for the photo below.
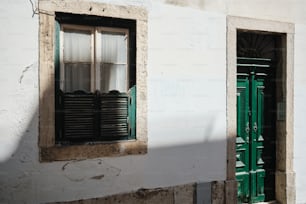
(216, 192)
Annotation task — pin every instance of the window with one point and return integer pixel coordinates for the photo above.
(95, 86)
(92, 80)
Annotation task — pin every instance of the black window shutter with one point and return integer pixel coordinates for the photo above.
(85, 117)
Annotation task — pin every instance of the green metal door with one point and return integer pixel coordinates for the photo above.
(250, 172)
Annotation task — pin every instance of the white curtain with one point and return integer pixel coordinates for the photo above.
(112, 61)
(77, 60)
(113, 67)
(77, 77)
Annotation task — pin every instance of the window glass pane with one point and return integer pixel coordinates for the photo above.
(113, 77)
(77, 46)
(113, 62)
(77, 77)
(114, 48)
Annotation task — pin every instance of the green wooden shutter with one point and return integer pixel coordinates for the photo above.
(79, 111)
(114, 113)
(118, 115)
(132, 113)
(97, 117)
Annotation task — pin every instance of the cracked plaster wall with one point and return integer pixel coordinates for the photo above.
(186, 137)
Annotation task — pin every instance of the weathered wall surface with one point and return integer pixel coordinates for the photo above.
(186, 103)
(184, 194)
(279, 10)
(300, 111)
(186, 128)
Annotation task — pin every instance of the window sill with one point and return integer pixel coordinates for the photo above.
(89, 151)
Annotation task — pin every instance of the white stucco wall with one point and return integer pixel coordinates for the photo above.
(187, 98)
(186, 103)
(186, 111)
(300, 111)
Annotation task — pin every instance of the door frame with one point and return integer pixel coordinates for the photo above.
(284, 174)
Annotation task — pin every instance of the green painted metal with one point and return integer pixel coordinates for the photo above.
(243, 137)
(250, 172)
(132, 113)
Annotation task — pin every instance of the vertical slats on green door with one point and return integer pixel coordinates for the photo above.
(254, 113)
(242, 140)
(256, 168)
(258, 145)
(250, 172)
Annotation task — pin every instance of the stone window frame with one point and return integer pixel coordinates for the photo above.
(285, 175)
(48, 150)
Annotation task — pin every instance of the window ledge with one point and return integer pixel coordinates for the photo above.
(89, 151)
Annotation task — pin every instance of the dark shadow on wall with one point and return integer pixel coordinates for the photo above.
(25, 180)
